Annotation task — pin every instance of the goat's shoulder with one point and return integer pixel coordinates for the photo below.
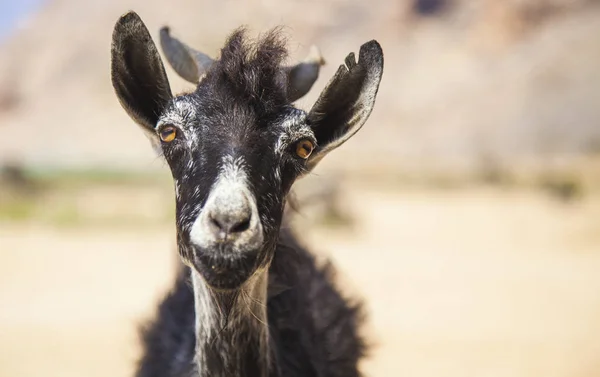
(315, 328)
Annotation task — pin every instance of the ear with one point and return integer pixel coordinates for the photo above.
(138, 74)
(347, 101)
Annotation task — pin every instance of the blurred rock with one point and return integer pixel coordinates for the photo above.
(319, 201)
(429, 7)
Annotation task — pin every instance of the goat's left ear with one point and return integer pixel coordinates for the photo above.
(138, 74)
(347, 101)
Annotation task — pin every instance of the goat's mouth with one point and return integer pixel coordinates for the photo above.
(224, 269)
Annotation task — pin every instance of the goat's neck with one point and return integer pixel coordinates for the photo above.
(232, 338)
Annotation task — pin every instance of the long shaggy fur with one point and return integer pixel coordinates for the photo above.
(314, 329)
(252, 71)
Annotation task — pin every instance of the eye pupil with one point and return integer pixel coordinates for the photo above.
(304, 149)
(168, 134)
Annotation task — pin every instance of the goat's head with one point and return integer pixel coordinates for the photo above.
(236, 144)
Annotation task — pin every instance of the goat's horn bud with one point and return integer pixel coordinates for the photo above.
(314, 56)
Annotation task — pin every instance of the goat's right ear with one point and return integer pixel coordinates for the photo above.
(138, 74)
(347, 101)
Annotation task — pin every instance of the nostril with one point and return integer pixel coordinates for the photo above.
(241, 225)
(214, 222)
(225, 223)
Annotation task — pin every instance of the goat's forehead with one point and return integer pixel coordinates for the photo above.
(187, 112)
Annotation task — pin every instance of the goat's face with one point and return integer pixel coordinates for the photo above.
(232, 171)
(236, 144)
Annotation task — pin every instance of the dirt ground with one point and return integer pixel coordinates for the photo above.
(473, 282)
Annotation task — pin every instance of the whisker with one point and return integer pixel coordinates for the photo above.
(246, 295)
(257, 301)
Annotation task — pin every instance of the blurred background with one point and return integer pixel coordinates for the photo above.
(466, 213)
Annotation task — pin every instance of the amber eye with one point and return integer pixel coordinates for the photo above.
(304, 148)
(167, 134)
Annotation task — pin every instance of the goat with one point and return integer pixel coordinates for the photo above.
(249, 300)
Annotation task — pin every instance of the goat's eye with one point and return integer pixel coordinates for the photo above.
(304, 148)
(167, 134)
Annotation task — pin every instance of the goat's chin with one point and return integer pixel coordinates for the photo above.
(225, 271)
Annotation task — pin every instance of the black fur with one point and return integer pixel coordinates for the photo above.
(252, 72)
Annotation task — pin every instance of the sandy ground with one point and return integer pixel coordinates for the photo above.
(458, 283)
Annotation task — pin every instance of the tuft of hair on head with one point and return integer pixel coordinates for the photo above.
(253, 68)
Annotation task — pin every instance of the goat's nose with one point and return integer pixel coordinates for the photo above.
(229, 218)
(230, 222)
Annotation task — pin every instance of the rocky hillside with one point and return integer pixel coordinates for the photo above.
(465, 83)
